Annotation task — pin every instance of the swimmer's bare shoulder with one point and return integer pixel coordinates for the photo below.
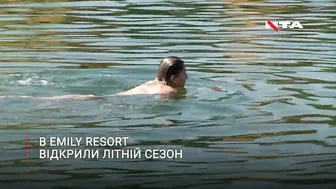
(149, 88)
(167, 90)
(159, 88)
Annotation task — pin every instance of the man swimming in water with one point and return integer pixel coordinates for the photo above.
(170, 77)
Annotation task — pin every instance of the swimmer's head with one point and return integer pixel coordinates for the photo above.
(172, 71)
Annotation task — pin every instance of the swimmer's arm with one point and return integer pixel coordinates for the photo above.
(16, 97)
(69, 97)
(65, 97)
(62, 97)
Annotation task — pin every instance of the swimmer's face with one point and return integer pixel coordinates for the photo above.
(179, 80)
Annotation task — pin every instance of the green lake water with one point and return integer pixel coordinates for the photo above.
(258, 111)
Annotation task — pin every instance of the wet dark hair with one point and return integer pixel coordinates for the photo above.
(169, 66)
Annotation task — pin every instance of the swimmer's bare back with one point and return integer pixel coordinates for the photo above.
(149, 88)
